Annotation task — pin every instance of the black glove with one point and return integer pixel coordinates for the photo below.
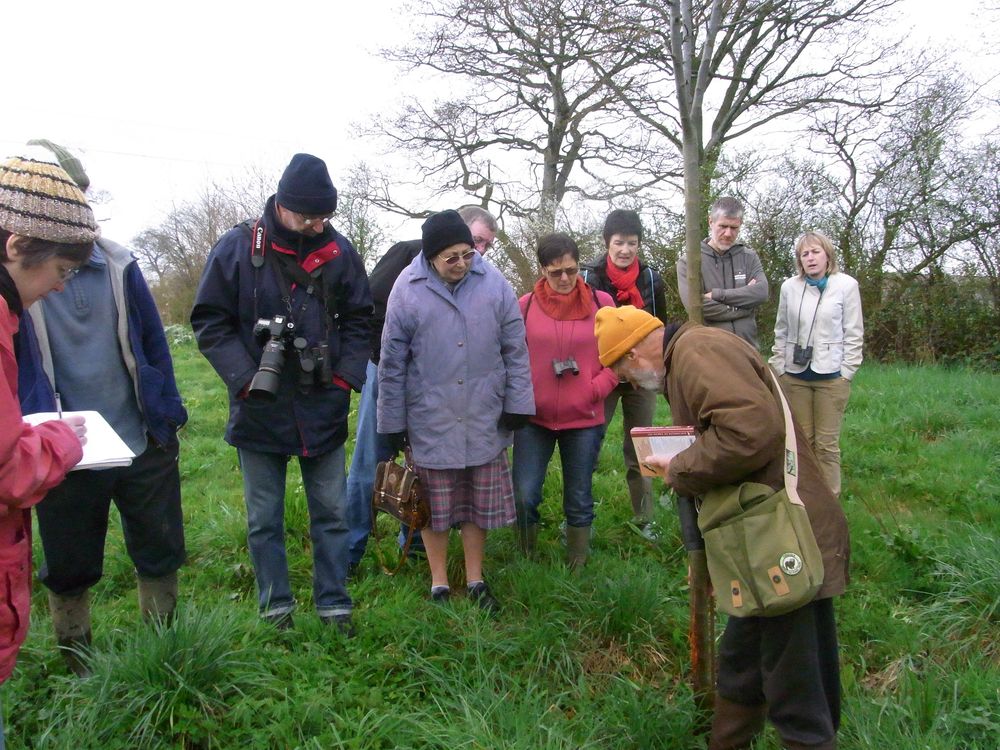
(397, 441)
(513, 422)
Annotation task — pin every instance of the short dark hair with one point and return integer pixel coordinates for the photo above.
(624, 222)
(554, 245)
(35, 251)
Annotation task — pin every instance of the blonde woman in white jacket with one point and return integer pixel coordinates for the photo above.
(818, 338)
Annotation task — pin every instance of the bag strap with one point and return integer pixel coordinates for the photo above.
(791, 467)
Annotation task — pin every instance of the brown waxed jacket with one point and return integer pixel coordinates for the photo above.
(720, 385)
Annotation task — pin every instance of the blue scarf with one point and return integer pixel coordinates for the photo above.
(818, 283)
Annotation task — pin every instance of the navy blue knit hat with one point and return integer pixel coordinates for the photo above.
(442, 230)
(306, 188)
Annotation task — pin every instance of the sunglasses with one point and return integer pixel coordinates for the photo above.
(558, 273)
(466, 256)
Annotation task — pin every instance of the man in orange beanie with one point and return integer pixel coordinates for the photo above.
(784, 667)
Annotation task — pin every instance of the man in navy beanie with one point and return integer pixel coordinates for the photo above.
(283, 313)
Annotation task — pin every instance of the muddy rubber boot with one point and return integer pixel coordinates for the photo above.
(527, 536)
(577, 546)
(158, 598)
(71, 622)
(734, 725)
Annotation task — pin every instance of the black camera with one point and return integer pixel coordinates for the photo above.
(562, 365)
(802, 355)
(279, 332)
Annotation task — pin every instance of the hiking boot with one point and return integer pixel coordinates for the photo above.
(441, 595)
(480, 593)
(343, 622)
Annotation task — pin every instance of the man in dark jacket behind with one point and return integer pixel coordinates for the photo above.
(785, 667)
(101, 345)
(733, 281)
(283, 313)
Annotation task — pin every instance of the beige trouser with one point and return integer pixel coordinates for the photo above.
(818, 407)
(638, 410)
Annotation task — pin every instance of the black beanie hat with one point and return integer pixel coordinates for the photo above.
(442, 230)
(306, 188)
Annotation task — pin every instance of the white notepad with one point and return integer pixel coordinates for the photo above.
(103, 449)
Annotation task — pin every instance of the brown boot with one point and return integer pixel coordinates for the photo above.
(158, 597)
(71, 622)
(577, 546)
(734, 725)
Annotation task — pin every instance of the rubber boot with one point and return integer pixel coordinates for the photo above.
(577, 546)
(158, 598)
(734, 725)
(527, 536)
(71, 622)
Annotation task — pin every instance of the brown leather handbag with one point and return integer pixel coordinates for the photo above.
(399, 493)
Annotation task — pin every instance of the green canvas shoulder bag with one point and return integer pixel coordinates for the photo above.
(762, 554)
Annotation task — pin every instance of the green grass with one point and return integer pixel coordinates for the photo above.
(597, 660)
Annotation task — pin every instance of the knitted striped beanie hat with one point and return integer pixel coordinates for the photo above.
(39, 199)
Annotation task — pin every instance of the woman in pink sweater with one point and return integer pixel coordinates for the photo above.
(570, 386)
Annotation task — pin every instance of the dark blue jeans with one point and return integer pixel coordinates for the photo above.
(73, 521)
(264, 492)
(578, 449)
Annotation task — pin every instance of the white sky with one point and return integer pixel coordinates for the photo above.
(159, 99)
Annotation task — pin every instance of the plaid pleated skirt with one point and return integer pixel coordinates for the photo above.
(483, 495)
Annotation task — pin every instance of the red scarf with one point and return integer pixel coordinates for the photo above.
(624, 283)
(577, 304)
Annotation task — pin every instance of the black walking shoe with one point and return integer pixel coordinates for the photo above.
(480, 593)
(440, 595)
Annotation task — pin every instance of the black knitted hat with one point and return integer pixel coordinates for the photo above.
(306, 188)
(442, 230)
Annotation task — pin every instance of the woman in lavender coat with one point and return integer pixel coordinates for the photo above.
(454, 382)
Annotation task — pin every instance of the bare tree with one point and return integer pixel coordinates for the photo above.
(720, 69)
(533, 121)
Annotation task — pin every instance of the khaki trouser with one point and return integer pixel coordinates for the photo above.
(818, 407)
(638, 410)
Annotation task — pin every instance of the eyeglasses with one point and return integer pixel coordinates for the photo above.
(466, 256)
(65, 274)
(482, 244)
(559, 272)
(313, 219)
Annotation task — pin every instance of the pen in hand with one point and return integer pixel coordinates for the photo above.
(58, 405)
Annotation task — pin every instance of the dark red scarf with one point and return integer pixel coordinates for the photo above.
(627, 293)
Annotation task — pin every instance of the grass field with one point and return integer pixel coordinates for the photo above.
(597, 660)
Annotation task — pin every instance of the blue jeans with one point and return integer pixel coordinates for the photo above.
(264, 492)
(578, 450)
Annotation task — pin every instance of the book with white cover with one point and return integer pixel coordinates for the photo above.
(663, 441)
(103, 449)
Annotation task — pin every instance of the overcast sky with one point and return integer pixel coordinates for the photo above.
(159, 99)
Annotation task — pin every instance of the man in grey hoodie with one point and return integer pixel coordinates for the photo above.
(733, 283)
